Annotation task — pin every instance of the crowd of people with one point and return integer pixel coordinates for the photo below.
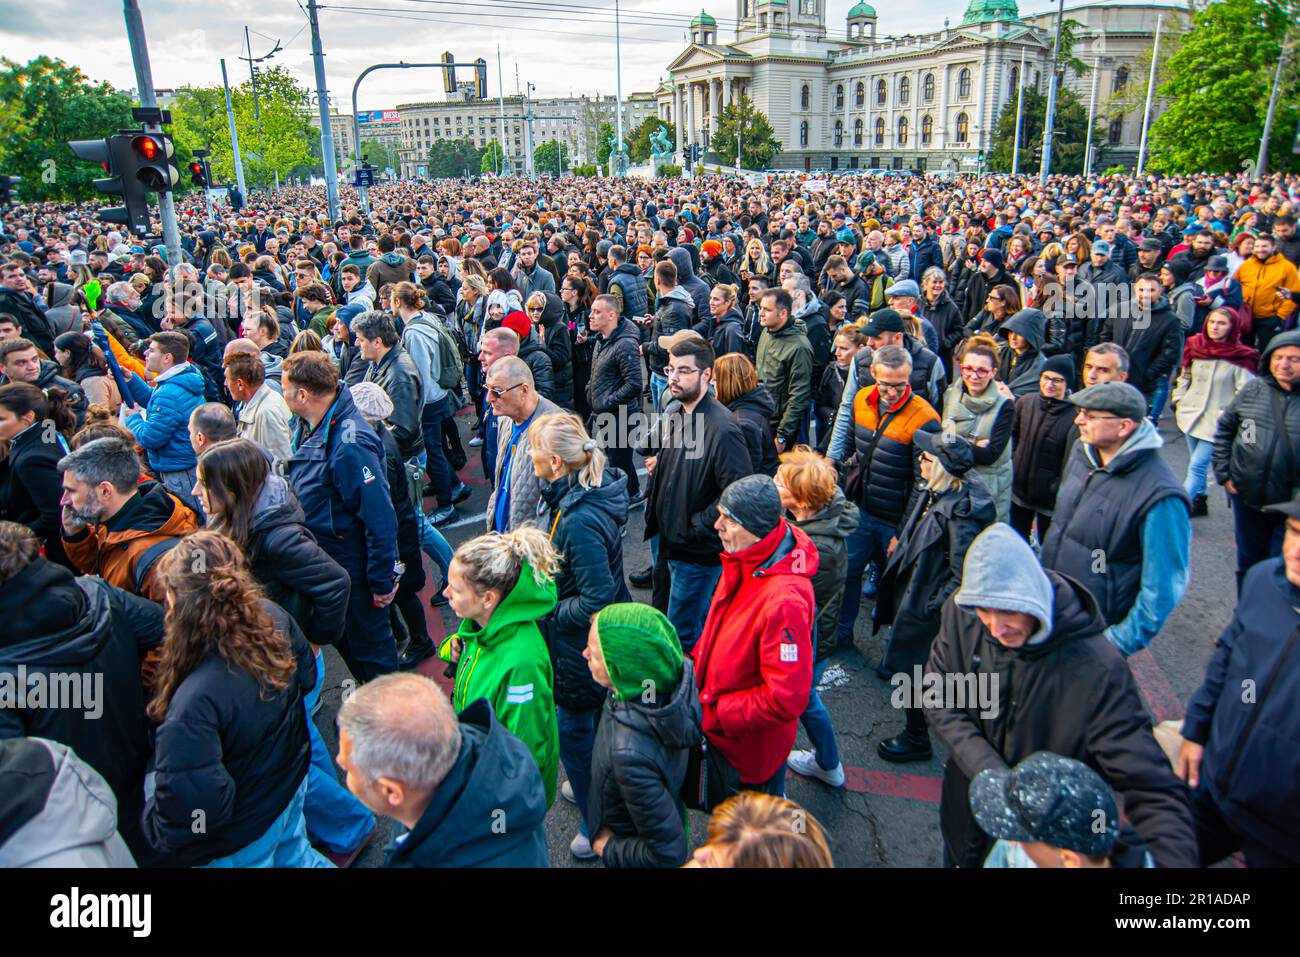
(939, 400)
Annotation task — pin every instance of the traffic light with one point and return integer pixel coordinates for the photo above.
(480, 78)
(448, 73)
(9, 190)
(117, 158)
(153, 161)
(199, 175)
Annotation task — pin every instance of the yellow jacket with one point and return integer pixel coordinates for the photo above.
(1260, 282)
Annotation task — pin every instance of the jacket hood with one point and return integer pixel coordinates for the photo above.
(62, 295)
(731, 315)
(609, 497)
(50, 802)
(527, 603)
(679, 292)
(682, 260)
(837, 520)
(553, 311)
(675, 724)
(624, 330)
(392, 259)
(795, 327)
(1291, 338)
(153, 510)
(277, 505)
(52, 619)
(976, 500)
(1145, 438)
(785, 550)
(760, 400)
(1030, 323)
(1001, 571)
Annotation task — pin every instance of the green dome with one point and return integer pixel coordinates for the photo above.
(704, 20)
(987, 11)
(862, 10)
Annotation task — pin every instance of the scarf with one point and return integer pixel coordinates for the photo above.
(1231, 349)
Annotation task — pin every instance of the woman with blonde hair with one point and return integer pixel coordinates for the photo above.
(728, 321)
(755, 261)
(501, 585)
(753, 829)
(586, 504)
(232, 737)
(736, 384)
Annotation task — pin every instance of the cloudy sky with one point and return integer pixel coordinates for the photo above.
(562, 47)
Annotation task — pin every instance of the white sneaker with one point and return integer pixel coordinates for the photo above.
(580, 847)
(475, 442)
(805, 763)
(566, 792)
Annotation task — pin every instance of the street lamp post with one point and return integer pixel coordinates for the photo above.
(1051, 96)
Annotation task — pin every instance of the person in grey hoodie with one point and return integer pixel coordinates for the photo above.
(1029, 642)
(695, 287)
(63, 316)
(55, 809)
(1021, 362)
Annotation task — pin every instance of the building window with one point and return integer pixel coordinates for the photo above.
(880, 131)
(803, 133)
(762, 22)
(857, 133)
(963, 128)
(904, 90)
(927, 88)
(882, 92)
(902, 131)
(860, 95)
(805, 99)
(1120, 81)
(835, 162)
(1014, 86)
(927, 129)
(1116, 132)
(963, 84)
(839, 96)
(809, 7)
(839, 133)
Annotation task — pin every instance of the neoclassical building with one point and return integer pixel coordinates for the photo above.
(864, 99)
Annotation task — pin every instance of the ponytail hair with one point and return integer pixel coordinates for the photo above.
(494, 562)
(562, 434)
(46, 405)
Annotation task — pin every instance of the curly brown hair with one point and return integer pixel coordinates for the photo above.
(215, 608)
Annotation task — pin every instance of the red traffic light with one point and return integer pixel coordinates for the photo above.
(196, 168)
(147, 147)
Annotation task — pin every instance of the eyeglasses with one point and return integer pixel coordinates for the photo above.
(498, 393)
(537, 309)
(892, 387)
(669, 372)
(976, 371)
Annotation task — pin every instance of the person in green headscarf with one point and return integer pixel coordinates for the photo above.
(650, 723)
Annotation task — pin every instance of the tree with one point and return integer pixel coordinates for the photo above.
(451, 158)
(758, 142)
(552, 157)
(492, 160)
(380, 155)
(604, 144)
(1218, 81)
(638, 144)
(285, 131)
(1067, 145)
(43, 104)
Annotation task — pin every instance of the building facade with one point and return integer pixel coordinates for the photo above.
(863, 99)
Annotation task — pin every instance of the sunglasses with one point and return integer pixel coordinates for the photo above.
(498, 393)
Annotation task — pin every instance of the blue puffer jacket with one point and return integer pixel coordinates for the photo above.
(164, 431)
(1251, 765)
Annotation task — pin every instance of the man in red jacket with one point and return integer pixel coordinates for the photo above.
(754, 660)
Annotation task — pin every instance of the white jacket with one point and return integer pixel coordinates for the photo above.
(1203, 391)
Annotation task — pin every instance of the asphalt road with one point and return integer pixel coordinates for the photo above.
(886, 815)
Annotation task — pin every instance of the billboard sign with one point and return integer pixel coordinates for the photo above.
(378, 116)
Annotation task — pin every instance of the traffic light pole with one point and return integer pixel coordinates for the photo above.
(326, 132)
(144, 81)
(356, 123)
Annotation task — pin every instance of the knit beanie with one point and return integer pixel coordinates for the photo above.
(1062, 365)
(517, 322)
(641, 650)
(753, 503)
(371, 401)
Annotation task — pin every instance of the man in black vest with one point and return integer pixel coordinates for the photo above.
(1122, 523)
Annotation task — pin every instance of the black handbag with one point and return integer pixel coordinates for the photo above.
(710, 779)
(854, 470)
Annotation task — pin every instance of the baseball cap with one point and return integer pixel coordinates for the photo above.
(1101, 248)
(671, 342)
(882, 321)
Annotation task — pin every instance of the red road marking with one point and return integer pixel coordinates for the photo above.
(1161, 699)
(912, 787)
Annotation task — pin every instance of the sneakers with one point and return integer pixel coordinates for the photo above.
(642, 579)
(636, 501)
(475, 442)
(871, 580)
(566, 792)
(460, 493)
(805, 763)
(1200, 506)
(580, 847)
(441, 516)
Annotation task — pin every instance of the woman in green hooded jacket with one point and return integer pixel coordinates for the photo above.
(500, 586)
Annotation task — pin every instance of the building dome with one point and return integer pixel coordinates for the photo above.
(862, 10)
(987, 11)
(704, 20)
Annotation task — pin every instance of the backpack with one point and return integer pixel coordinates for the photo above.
(449, 368)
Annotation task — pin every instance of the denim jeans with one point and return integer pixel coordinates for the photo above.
(434, 544)
(867, 544)
(816, 721)
(284, 844)
(1198, 465)
(1159, 398)
(1258, 534)
(657, 386)
(577, 737)
(334, 816)
(689, 596)
(440, 474)
(367, 645)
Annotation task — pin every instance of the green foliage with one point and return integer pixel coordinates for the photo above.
(552, 157)
(380, 155)
(1119, 169)
(1067, 145)
(587, 170)
(451, 158)
(758, 142)
(492, 160)
(1069, 37)
(1218, 81)
(668, 170)
(638, 144)
(43, 104)
(604, 144)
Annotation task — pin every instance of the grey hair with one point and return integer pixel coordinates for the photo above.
(401, 726)
(476, 283)
(801, 283)
(1112, 349)
(892, 357)
(507, 340)
(214, 421)
(376, 325)
(934, 272)
(514, 370)
(119, 294)
(110, 460)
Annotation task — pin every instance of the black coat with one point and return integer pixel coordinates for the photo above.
(1152, 344)
(539, 363)
(728, 334)
(1255, 460)
(616, 377)
(230, 750)
(32, 320)
(296, 572)
(31, 487)
(754, 411)
(1042, 432)
(977, 290)
(56, 622)
(587, 536)
(946, 319)
(1072, 694)
(398, 376)
(638, 765)
(408, 528)
(926, 567)
(559, 346)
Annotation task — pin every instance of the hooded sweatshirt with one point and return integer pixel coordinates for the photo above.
(507, 662)
(693, 284)
(1021, 372)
